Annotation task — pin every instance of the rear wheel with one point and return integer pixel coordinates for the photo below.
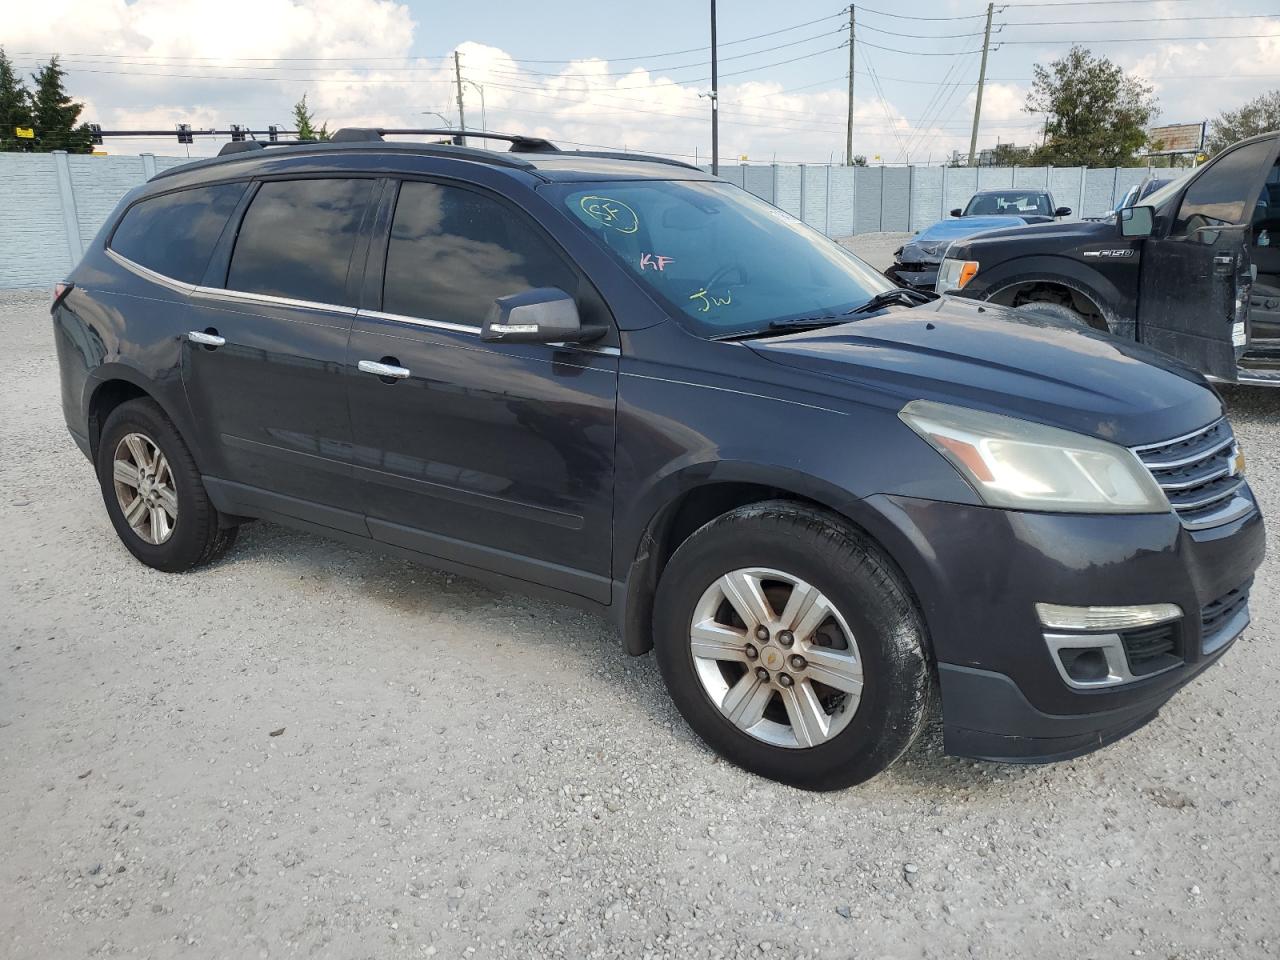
(791, 646)
(153, 492)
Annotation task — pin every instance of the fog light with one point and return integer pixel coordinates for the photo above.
(1055, 616)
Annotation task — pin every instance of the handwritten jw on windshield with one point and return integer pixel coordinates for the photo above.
(710, 299)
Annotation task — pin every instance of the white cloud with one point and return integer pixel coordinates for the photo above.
(155, 63)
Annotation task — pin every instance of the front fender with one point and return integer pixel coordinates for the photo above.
(1116, 307)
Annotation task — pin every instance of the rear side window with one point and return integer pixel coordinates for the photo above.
(175, 234)
(453, 252)
(297, 237)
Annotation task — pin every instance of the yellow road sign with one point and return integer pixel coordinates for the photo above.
(26, 133)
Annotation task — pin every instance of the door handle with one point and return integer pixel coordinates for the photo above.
(209, 338)
(385, 368)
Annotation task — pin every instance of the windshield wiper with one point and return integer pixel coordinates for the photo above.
(791, 324)
(898, 295)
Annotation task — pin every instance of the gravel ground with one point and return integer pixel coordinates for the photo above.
(306, 750)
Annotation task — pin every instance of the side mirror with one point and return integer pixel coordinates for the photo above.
(1062, 212)
(957, 212)
(1137, 221)
(540, 315)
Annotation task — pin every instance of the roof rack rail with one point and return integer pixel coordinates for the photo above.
(647, 158)
(519, 142)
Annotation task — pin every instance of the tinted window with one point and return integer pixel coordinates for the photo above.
(453, 252)
(1225, 193)
(175, 234)
(297, 238)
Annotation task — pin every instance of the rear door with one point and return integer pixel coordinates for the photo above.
(499, 456)
(264, 366)
(1196, 275)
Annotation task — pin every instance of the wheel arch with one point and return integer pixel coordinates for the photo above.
(1067, 275)
(688, 506)
(114, 384)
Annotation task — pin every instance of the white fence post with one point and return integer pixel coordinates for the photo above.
(1084, 175)
(148, 165)
(67, 194)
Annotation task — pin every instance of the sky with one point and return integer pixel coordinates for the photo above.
(631, 75)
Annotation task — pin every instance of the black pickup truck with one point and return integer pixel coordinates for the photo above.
(1194, 271)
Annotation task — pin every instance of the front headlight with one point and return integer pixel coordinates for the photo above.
(1028, 466)
(954, 274)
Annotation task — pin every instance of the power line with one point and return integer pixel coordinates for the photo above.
(912, 16)
(1056, 41)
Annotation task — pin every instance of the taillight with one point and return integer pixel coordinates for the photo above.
(60, 291)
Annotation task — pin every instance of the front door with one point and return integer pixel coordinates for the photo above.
(1196, 274)
(264, 368)
(497, 456)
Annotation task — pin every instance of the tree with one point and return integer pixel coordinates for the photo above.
(1095, 115)
(54, 114)
(306, 124)
(859, 160)
(1256, 116)
(15, 106)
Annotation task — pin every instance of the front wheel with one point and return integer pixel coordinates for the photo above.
(792, 647)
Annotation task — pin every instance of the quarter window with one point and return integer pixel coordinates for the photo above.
(297, 238)
(453, 252)
(175, 234)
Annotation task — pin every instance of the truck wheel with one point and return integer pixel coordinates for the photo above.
(153, 491)
(792, 647)
(1059, 313)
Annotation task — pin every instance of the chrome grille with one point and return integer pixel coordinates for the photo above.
(1198, 474)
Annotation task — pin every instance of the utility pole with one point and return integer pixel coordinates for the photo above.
(982, 76)
(848, 136)
(457, 73)
(715, 98)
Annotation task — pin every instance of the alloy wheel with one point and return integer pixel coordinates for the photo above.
(776, 657)
(145, 488)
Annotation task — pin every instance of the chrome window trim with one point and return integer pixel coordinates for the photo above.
(148, 274)
(242, 296)
(420, 322)
(474, 331)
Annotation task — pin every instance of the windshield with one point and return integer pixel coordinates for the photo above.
(719, 258)
(1010, 203)
(1157, 197)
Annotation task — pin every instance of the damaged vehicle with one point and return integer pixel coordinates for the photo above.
(916, 262)
(1193, 270)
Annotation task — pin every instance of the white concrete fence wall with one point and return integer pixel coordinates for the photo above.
(52, 204)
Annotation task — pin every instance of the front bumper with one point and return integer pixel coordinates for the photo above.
(978, 573)
(918, 276)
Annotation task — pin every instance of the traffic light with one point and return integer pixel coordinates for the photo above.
(273, 133)
(95, 134)
(184, 133)
(237, 133)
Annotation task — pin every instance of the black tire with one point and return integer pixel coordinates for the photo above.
(197, 537)
(1059, 313)
(863, 584)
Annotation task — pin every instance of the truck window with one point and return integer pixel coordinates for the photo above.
(1225, 193)
(175, 234)
(297, 237)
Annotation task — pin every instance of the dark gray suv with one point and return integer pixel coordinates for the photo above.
(824, 501)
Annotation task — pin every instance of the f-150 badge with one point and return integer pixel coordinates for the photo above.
(1110, 254)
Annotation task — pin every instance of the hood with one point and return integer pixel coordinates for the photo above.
(930, 244)
(1055, 229)
(987, 357)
